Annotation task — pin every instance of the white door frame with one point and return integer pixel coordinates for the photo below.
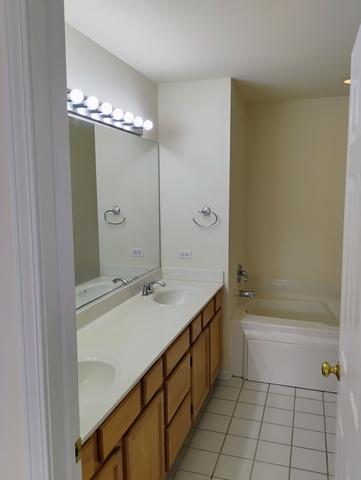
(37, 305)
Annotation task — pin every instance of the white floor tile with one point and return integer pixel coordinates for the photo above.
(215, 423)
(182, 475)
(252, 396)
(259, 386)
(309, 421)
(330, 397)
(303, 475)
(309, 460)
(330, 409)
(205, 440)
(309, 439)
(278, 416)
(233, 468)
(331, 425)
(226, 393)
(236, 382)
(313, 394)
(273, 453)
(247, 410)
(267, 471)
(239, 447)
(308, 405)
(221, 407)
(280, 401)
(281, 390)
(244, 428)
(331, 463)
(331, 442)
(199, 461)
(276, 433)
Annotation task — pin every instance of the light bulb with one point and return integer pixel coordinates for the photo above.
(106, 108)
(148, 125)
(128, 117)
(76, 96)
(118, 114)
(92, 103)
(138, 122)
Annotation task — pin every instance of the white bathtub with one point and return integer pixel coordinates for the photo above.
(286, 341)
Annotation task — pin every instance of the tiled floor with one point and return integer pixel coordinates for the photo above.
(258, 431)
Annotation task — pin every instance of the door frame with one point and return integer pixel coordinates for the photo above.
(37, 243)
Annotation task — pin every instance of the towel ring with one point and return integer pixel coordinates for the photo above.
(114, 211)
(206, 212)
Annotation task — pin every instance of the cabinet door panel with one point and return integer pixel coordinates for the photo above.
(144, 444)
(200, 372)
(215, 345)
(177, 386)
(178, 430)
(113, 468)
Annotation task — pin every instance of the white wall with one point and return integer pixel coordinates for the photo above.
(127, 175)
(194, 132)
(97, 72)
(296, 159)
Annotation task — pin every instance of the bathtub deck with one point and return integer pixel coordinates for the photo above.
(261, 431)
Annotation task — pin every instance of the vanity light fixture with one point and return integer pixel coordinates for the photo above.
(103, 112)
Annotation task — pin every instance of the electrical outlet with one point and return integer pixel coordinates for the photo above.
(184, 254)
(137, 252)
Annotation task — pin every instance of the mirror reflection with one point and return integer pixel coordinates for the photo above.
(115, 195)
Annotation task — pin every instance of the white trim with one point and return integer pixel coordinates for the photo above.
(32, 64)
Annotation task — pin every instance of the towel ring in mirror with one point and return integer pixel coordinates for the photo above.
(206, 212)
(113, 211)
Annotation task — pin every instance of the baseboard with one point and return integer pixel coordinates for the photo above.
(225, 374)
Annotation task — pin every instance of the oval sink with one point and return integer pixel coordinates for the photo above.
(89, 292)
(95, 376)
(176, 297)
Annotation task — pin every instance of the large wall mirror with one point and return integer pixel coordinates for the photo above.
(115, 194)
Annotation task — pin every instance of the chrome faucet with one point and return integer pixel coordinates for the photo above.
(120, 280)
(148, 288)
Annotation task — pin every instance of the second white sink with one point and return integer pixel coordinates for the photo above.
(177, 296)
(95, 376)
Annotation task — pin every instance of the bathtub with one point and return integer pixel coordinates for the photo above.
(285, 341)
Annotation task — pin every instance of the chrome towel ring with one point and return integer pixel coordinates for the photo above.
(113, 211)
(206, 212)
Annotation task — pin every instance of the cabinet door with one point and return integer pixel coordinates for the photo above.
(200, 372)
(144, 444)
(215, 346)
(113, 468)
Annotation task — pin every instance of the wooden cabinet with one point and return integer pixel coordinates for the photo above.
(144, 444)
(219, 300)
(176, 351)
(177, 430)
(113, 468)
(208, 313)
(177, 386)
(196, 328)
(89, 456)
(215, 346)
(200, 371)
(152, 382)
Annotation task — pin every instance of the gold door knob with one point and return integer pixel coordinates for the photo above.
(327, 370)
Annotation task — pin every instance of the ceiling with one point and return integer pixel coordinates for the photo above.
(275, 48)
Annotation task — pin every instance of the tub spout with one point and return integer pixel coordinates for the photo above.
(247, 293)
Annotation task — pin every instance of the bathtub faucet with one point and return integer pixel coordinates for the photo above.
(247, 293)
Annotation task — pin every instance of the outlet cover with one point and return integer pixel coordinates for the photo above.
(184, 254)
(137, 252)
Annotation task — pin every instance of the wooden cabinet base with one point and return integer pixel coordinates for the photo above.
(144, 444)
(113, 468)
(178, 430)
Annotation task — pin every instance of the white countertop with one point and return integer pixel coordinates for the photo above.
(131, 337)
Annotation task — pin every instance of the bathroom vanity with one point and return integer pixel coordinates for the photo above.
(168, 352)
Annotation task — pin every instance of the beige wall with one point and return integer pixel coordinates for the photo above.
(84, 200)
(296, 157)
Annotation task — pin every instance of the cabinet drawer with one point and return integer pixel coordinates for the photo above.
(112, 430)
(196, 328)
(152, 382)
(89, 460)
(208, 312)
(219, 300)
(177, 386)
(113, 468)
(176, 351)
(178, 430)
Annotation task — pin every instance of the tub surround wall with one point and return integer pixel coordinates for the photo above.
(296, 160)
(98, 72)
